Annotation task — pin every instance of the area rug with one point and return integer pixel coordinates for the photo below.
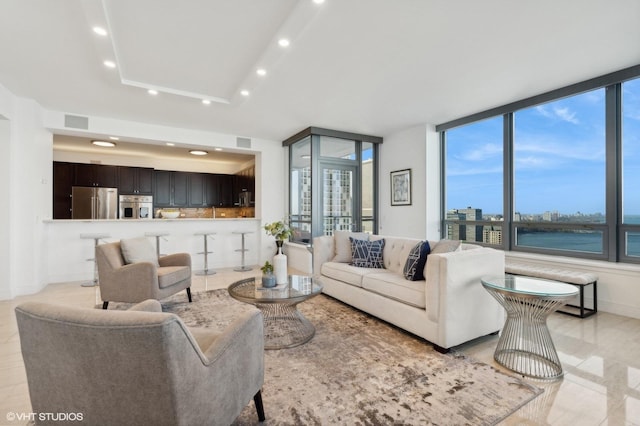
(358, 370)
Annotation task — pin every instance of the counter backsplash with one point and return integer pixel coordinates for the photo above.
(208, 213)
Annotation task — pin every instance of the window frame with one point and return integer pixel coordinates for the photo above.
(614, 231)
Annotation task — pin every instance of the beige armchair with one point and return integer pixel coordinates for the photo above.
(130, 277)
(139, 368)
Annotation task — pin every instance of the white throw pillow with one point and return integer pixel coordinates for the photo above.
(343, 244)
(135, 250)
(447, 246)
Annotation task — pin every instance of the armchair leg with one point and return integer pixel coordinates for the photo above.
(257, 399)
(189, 293)
(105, 304)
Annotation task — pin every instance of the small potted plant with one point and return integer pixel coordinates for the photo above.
(268, 279)
(279, 230)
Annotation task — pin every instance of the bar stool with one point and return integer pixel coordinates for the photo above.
(96, 240)
(206, 270)
(158, 235)
(242, 267)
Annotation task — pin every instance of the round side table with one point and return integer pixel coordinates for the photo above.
(525, 344)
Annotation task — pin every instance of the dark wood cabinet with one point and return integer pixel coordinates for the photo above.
(227, 196)
(171, 189)
(197, 190)
(135, 180)
(95, 175)
(63, 179)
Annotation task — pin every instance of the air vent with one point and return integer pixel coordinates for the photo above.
(76, 121)
(243, 142)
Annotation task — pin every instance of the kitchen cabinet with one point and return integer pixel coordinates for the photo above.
(95, 175)
(197, 189)
(245, 182)
(135, 180)
(63, 179)
(171, 189)
(219, 190)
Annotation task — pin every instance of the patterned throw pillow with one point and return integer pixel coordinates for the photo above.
(414, 267)
(367, 254)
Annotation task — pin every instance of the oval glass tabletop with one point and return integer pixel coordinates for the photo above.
(298, 288)
(528, 285)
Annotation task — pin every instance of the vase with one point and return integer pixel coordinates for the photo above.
(279, 244)
(268, 280)
(280, 267)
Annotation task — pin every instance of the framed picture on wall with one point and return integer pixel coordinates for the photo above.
(401, 188)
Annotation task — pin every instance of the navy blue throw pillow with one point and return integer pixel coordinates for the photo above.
(367, 254)
(414, 267)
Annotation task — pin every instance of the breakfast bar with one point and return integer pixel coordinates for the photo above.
(67, 251)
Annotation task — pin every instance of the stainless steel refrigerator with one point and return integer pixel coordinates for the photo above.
(94, 203)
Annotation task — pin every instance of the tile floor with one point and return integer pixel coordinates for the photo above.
(600, 354)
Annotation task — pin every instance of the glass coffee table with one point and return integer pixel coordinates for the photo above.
(525, 344)
(284, 326)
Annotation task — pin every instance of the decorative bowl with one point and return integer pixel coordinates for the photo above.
(170, 214)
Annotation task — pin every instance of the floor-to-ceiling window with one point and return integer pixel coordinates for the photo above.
(333, 179)
(558, 173)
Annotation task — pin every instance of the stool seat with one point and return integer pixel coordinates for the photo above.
(206, 270)
(157, 235)
(242, 267)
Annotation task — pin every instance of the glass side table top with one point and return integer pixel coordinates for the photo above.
(530, 286)
(297, 289)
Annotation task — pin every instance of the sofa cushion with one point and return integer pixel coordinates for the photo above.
(414, 267)
(343, 244)
(170, 275)
(135, 250)
(446, 246)
(394, 286)
(367, 254)
(344, 272)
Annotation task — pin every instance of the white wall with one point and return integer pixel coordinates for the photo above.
(5, 141)
(417, 149)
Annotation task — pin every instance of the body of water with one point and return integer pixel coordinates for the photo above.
(589, 242)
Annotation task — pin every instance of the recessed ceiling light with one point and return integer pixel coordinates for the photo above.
(198, 152)
(171, 144)
(261, 71)
(283, 42)
(104, 143)
(114, 138)
(244, 92)
(318, 1)
(109, 64)
(206, 102)
(100, 31)
(152, 92)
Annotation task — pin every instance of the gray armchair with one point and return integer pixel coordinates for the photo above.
(155, 278)
(139, 368)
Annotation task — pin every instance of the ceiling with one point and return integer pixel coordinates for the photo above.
(364, 66)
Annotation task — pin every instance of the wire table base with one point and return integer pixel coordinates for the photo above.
(525, 345)
(285, 326)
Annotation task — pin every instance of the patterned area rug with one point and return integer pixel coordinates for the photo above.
(358, 370)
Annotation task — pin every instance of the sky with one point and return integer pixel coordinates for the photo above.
(559, 157)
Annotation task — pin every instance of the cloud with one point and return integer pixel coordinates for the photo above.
(482, 153)
(564, 113)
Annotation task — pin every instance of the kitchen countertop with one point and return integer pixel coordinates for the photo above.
(183, 219)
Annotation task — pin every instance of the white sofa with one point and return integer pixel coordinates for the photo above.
(448, 308)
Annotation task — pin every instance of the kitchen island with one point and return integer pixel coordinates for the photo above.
(68, 253)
